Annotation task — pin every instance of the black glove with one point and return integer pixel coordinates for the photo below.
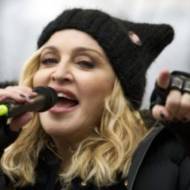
(179, 81)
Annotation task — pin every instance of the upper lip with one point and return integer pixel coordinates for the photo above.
(67, 93)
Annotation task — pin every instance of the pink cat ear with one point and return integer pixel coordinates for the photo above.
(134, 38)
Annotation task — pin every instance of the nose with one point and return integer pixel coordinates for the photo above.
(62, 73)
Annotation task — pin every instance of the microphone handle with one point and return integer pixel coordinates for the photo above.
(9, 110)
(36, 105)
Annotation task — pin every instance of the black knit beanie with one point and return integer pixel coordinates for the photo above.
(130, 47)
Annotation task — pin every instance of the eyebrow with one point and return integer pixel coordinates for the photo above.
(82, 49)
(53, 48)
(78, 49)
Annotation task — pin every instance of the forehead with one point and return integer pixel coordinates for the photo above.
(71, 38)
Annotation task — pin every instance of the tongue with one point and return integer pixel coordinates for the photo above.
(66, 103)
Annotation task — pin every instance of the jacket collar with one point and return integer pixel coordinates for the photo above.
(140, 153)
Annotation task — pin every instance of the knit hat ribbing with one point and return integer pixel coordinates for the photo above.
(130, 47)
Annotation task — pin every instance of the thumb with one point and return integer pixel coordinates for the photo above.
(18, 122)
(163, 79)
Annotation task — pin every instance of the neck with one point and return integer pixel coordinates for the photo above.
(65, 147)
(63, 151)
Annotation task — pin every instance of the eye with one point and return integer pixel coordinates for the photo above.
(86, 64)
(49, 61)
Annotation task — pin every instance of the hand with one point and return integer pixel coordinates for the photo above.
(177, 104)
(19, 95)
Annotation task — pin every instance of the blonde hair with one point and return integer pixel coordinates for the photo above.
(99, 158)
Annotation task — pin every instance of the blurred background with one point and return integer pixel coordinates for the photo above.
(22, 21)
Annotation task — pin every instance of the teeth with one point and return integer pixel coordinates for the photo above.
(62, 95)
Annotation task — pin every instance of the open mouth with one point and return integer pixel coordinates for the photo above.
(66, 101)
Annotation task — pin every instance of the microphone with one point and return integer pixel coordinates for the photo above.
(46, 98)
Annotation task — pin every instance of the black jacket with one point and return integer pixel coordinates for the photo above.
(159, 163)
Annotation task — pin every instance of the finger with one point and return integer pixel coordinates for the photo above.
(11, 95)
(19, 94)
(25, 95)
(22, 89)
(184, 110)
(173, 102)
(14, 96)
(163, 79)
(160, 112)
(2, 98)
(18, 122)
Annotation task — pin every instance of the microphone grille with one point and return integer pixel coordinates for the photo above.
(50, 96)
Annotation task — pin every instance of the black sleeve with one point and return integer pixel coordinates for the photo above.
(164, 165)
(184, 174)
(182, 133)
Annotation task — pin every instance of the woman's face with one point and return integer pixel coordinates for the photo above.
(74, 65)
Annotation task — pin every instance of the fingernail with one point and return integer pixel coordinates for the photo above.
(33, 95)
(27, 98)
(2, 98)
(22, 95)
(162, 115)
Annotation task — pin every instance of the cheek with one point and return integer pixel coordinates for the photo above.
(98, 87)
(93, 92)
(93, 103)
(40, 78)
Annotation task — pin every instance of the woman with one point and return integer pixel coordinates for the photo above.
(97, 64)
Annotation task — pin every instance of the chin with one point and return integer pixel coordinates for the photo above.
(61, 131)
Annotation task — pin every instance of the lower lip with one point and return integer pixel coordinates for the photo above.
(60, 109)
